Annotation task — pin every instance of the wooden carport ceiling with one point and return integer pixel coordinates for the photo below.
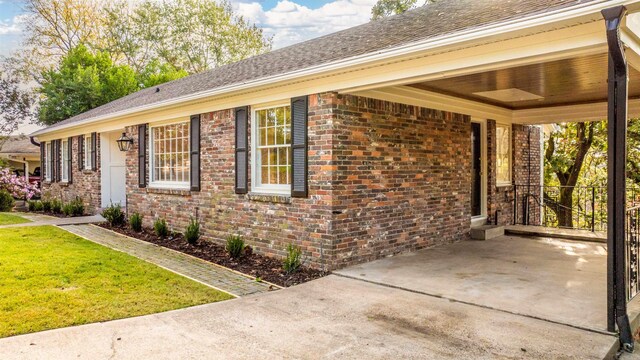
(564, 82)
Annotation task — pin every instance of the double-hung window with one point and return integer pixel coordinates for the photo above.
(88, 145)
(47, 161)
(169, 155)
(272, 144)
(503, 154)
(64, 175)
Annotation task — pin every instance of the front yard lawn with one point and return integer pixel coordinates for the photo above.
(50, 278)
(8, 219)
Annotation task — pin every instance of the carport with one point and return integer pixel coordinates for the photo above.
(580, 72)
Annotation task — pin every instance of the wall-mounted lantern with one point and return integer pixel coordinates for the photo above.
(124, 142)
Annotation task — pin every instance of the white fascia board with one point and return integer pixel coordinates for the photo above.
(577, 14)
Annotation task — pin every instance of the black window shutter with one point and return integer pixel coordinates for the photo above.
(80, 152)
(242, 159)
(299, 164)
(142, 155)
(94, 153)
(195, 152)
(70, 160)
(43, 165)
(58, 162)
(52, 162)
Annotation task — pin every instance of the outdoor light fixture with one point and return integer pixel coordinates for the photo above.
(125, 142)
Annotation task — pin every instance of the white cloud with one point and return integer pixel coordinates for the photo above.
(12, 26)
(289, 22)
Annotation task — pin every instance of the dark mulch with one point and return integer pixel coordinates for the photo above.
(255, 265)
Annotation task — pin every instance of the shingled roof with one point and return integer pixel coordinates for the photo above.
(18, 145)
(430, 21)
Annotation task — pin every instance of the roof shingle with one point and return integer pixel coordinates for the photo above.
(430, 21)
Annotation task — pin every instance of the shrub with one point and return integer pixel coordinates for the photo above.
(38, 206)
(114, 215)
(67, 210)
(6, 201)
(31, 205)
(46, 205)
(293, 261)
(160, 228)
(77, 207)
(56, 206)
(192, 234)
(235, 246)
(136, 222)
(17, 186)
(73, 208)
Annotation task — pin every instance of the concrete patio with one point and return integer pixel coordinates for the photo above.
(560, 281)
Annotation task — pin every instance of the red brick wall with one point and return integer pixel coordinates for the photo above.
(267, 223)
(85, 183)
(502, 198)
(403, 178)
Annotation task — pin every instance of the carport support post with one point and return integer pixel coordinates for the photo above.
(617, 125)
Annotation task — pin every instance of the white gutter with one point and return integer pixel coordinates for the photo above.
(541, 19)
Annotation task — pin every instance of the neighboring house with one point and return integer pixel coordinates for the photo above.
(394, 135)
(22, 156)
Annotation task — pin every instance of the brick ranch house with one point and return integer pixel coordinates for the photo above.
(391, 136)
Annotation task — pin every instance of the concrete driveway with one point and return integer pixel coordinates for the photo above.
(333, 317)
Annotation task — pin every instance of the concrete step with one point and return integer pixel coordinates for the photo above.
(486, 232)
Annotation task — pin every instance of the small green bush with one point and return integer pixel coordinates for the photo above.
(293, 261)
(46, 205)
(135, 221)
(31, 205)
(6, 201)
(161, 228)
(67, 210)
(192, 233)
(56, 206)
(38, 206)
(235, 246)
(114, 215)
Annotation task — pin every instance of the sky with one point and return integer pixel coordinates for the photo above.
(288, 21)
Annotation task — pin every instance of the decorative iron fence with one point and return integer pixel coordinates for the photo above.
(568, 207)
(632, 246)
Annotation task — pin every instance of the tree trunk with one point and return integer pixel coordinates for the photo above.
(565, 208)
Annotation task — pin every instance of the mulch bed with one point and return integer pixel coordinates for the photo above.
(252, 264)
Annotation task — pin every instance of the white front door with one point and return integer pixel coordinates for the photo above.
(113, 167)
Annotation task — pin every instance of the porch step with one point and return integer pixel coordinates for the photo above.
(566, 234)
(486, 232)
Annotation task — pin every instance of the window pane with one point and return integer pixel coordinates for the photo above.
(271, 136)
(282, 175)
(171, 153)
(265, 174)
(273, 143)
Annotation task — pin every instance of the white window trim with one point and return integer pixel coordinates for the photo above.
(171, 185)
(509, 154)
(268, 189)
(47, 161)
(64, 160)
(86, 148)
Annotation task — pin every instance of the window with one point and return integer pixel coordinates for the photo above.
(87, 152)
(47, 161)
(170, 155)
(65, 161)
(272, 141)
(503, 154)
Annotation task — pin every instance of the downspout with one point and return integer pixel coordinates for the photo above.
(616, 168)
(34, 142)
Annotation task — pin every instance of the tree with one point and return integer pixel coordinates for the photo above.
(15, 103)
(565, 154)
(83, 81)
(385, 8)
(191, 35)
(155, 74)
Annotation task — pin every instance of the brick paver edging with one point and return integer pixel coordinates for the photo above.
(205, 272)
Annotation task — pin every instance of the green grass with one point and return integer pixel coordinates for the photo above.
(8, 219)
(50, 278)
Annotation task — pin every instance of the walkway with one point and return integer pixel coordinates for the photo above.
(40, 220)
(196, 269)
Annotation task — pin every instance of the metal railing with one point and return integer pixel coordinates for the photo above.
(632, 246)
(577, 207)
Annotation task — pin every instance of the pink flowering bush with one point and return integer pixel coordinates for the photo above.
(17, 186)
